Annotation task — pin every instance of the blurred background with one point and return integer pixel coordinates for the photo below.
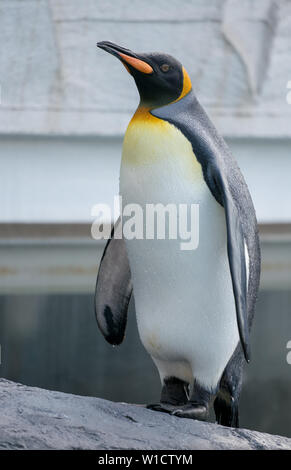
(64, 108)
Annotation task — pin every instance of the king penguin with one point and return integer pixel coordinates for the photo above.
(194, 308)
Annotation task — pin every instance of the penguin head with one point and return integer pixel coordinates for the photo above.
(160, 78)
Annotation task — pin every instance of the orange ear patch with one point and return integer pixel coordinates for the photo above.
(136, 63)
(187, 85)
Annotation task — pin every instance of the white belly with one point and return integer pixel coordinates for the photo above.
(184, 299)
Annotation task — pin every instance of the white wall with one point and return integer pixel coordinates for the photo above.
(55, 81)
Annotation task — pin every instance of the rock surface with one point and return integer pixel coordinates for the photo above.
(33, 418)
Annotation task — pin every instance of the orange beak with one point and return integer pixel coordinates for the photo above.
(137, 64)
(127, 57)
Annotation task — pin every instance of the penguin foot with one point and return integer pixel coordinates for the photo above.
(164, 407)
(192, 411)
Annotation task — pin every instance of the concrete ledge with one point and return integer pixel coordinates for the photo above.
(33, 418)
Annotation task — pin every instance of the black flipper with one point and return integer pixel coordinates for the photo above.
(113, 290)
(227, 185)
(236, 258)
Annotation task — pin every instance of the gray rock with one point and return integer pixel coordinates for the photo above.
(33, 418)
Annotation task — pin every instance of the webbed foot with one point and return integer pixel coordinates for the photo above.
(164, 407)
(191, 411)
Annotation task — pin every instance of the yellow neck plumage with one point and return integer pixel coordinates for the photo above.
(142, 112)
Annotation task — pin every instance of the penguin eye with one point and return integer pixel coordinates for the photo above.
(165, 67)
